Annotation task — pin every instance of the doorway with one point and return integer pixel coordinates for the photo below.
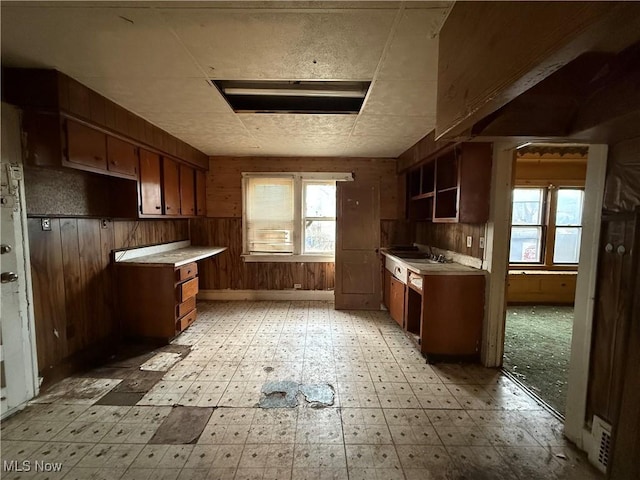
(544, 253)
(18, 364)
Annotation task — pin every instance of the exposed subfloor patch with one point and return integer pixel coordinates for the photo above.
(161, 362)
(183, 426)
(78, 391)
(284, 394)
(120, 399)
(318, 395)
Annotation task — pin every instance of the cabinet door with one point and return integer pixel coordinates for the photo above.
(150, 187)
(201, 193)
(85, 146)
(122, 157)
(397, 301)
(187, 191)
(386, 292)
(170, 186)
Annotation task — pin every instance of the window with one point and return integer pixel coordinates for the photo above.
(546, 226)
(290, 216)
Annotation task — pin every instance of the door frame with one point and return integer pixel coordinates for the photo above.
(497, 264)
(12, 152)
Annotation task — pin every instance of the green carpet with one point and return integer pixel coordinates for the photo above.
(537, 348)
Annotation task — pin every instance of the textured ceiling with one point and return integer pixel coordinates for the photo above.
(155, 59)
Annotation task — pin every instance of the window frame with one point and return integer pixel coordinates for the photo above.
(549, 227)
(300, 178)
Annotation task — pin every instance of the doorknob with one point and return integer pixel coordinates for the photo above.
(7, 277)
(5, 248)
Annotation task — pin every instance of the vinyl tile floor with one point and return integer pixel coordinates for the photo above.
(393, 417)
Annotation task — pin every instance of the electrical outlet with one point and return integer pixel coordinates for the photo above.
(104, 223)
(481, 242)
(469, 241)
(46, 224)
(297, 286)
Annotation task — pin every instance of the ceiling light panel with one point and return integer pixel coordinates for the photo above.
(308, 97)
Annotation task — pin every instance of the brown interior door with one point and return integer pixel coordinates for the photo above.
(150, 187)
(358, 241)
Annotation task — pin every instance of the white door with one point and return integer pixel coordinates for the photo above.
(18, 361)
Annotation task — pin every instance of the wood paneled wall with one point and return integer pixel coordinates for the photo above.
(451, 236)
(73, 294)
(224, 186)
(229, 271)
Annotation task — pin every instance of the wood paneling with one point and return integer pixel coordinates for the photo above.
(426, 147)
(483, 62)
(73, 292)
(56, 91)
(451, 236)
(229, 271)
(224, 187)
(541, 287)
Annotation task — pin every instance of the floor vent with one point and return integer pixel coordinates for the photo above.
(601, 432)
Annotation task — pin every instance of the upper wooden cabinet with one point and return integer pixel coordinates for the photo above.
(170, 187)
(187, 191)
(452, 187)
(150, 186)
(201, 193)
(122, 157)
(85, 146)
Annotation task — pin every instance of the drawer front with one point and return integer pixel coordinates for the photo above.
(187, 289)
(185, 321)
(185, 307)
(186, 272)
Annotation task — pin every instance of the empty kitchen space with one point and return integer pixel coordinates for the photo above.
(301, 240)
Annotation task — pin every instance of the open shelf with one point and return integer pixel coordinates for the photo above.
(446, 204)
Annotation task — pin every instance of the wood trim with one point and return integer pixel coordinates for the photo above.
(585, 295)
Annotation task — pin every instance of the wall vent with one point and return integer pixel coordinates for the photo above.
(601, 433)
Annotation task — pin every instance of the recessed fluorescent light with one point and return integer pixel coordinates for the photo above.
(293, 96)
(295, 93)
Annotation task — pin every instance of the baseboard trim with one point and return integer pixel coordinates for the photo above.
(229, 294)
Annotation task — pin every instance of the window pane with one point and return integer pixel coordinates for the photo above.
(269, 215)
(320, 200)
(569, 209)
(526, 245)
(319, 236)
(527, 206)
(567, 245)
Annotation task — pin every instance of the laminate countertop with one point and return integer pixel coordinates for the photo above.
(175, 254)
(429, 267)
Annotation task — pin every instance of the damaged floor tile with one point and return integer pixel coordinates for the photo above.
(283, 394)
(183, 426)
(318, 395)
(78, 391)
(161, 362)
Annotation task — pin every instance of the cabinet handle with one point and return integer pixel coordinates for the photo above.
(168, 207)
(96, 157)
(158, 207)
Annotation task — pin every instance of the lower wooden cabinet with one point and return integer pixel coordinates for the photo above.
(156, 301)
(396, 300)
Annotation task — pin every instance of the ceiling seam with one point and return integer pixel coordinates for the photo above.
(383, 55)
(204, 73)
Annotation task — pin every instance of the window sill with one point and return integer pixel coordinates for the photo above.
(287, 258)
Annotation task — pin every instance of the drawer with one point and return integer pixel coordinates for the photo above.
(187, 289)
(185, 307)
(184, 322)
(186, 272)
